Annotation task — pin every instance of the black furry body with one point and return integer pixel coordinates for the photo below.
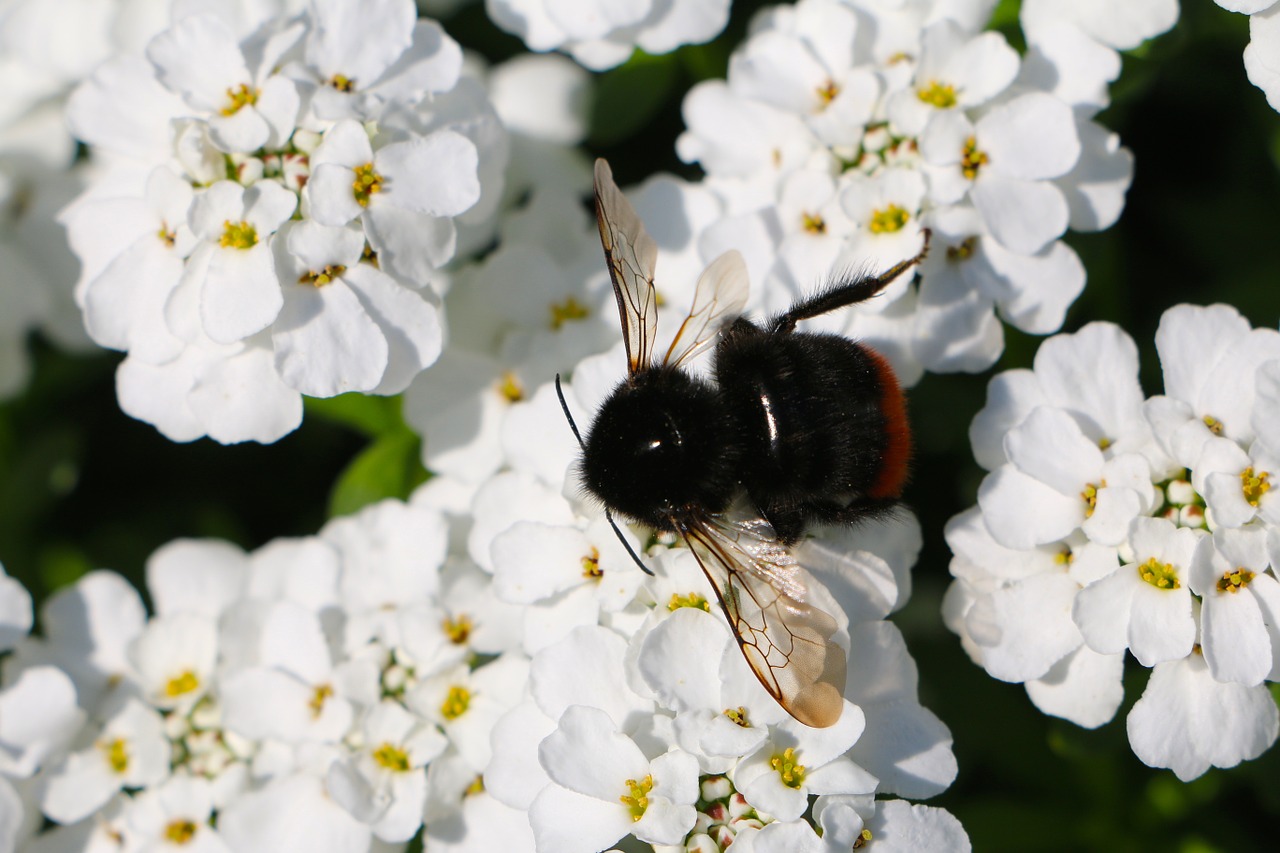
(796, 420)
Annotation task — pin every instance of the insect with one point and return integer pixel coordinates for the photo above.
(796, 428)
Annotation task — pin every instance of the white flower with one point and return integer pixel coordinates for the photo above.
(130, 751)
(1239, 604)
(175, 814)
(385, 782)
(1005, 162)
(604, 788)
(1188, 721)
(247, 109)
(601, 35)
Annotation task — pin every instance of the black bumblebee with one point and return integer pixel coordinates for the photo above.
(797, 428)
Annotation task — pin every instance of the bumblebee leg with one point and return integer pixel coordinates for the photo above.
(787, 520)
(844, 293)
(863, 509)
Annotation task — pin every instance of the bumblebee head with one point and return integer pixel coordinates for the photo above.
(658, 446)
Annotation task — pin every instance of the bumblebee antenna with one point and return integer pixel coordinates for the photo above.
(625, 544)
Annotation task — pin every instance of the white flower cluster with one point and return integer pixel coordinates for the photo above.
(273, 199)
(314, 695)
(603, 33)
(1262, 55)
(370, 683)
(1109, 523)
(844, 129)
(41, 60)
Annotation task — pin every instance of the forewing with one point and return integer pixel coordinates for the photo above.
(631, 255)
(763, 590)
(718, 299)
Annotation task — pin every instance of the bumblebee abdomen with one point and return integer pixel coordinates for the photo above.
(820, 418)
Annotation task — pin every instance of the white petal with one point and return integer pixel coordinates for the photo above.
(1085, 687)
(1024, 216)
(408, 322)
(1021, 512)
(325, 344)
(436, 175)
(1030, 138)
(241, 294)
(1161, 626)
(1188, 722)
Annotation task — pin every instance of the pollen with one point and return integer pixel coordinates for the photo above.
(1254, 485)
(971, 159)
(238, 235)
(369, 255)
(963, 250)
(1064, 557)
(342, 82)
(1104, 443)
(591, 566)
(181, 684)
(476, 787)
(458, 628)
(827, 93)
(456, 703)
(1160, 575)
(1090, 497)
(637, 797)
(937, 94)
(322, 277)
(367, 184)
(791, 771)
(180, 831)
(167, 235)
(863, 839)
(1235, 581)
(242, 96)
(1214, 425)
(510, 388)
(689, 599)
(569, 309)
(813, 223)
(392, 758)
(318, 697)
(889, 219)
(117, 754)
(739, 716)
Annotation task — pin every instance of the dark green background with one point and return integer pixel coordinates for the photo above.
(83, 486)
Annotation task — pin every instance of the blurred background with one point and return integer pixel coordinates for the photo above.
(83, 486)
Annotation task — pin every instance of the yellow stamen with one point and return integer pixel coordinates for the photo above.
(456, 703)
(180, 684)
(563, 312)
(117, 754)
(971, 159)
(319, 696)
(791, 771)
(940, 95)
(240, 97)
(1254, 485)
(813, 223)
(180, 831)
(458, 628)
(367, 184)
(1235, 581)
(342, 82)
(591, 566)
(691, 599)
(637, 797)
(391, 757)
(238, 235)
(323, 277)
(889, 220)
(738, 715)
(1160, 575)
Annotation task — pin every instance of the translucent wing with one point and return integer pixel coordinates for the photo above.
(763, 591)
(719, 298)
(631, 255)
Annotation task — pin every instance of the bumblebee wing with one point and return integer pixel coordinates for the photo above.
(763, 590)
(631, 255)
(718, 299)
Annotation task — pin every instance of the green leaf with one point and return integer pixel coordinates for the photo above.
(389, 467)
(630, 96)
(365, 413)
